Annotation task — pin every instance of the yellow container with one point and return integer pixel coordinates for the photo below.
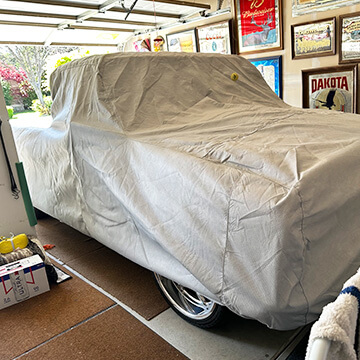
(10, 244)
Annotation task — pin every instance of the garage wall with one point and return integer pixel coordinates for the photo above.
(182, 27)
(13, 217)
(292, 80)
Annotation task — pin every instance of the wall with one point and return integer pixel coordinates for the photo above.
(182, 27)
(292, 79)
(13, 217)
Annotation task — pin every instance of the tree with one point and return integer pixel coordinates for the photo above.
(63, 60)
(7, 92)
(10, 73)
(32, 60)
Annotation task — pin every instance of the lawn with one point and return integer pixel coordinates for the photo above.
(31, 118)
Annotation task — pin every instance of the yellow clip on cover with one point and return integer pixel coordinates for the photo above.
(234, 76)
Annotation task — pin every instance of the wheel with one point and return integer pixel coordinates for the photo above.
(190, 305)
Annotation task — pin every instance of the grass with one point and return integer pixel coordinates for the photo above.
(29, 118)
(29, 114)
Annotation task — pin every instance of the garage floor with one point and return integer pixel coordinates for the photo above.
(102, 315)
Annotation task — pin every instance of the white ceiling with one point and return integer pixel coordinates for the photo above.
(41, 22)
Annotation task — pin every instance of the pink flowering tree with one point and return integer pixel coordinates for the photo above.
(11, 74)
(32, 60)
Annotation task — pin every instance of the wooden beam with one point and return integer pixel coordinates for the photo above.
(21, 23)
(81, 44)
(53, 44)
(127, 22)
(72, 17)
(37, 14)
(147, 13)
(79, 5)
(20, 43)
(183, 3)
(78, 27)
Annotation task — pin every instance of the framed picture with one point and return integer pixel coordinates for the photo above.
(349, 38)
(313, 39)
(142, 45)
(184, 41)
(214, 38)
(259, 24)
(158, 43)
(332, 88)
(271, 70)
(302, 7)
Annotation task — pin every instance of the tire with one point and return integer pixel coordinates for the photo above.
(40, 214)
(193, 307)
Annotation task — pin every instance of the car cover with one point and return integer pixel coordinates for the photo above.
(189, 165)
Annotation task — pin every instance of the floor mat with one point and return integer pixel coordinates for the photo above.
(130, 283)
(113, 334)
(38, 319)
(69, 243)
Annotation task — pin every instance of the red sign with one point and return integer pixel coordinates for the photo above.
(339, 82)
(257, 20)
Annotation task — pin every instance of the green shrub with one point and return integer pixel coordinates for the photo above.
(10, 111)
(7, 92)
(42, 110)
(65, 59)
(27, 101)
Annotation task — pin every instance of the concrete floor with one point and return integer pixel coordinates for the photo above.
(237, 338)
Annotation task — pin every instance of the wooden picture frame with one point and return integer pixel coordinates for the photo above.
(183, 41)
(349, 38)
(332, 88)
(214, 38)
(313, 38)
(302, 7)
(259, 25)
(271, 69)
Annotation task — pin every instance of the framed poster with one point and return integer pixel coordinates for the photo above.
(142, 45)
(214, 38)
(271, 70)
(158, 43)
(313, 39)
(301, 7)
(349, 38)
(259, 24)
(332, 88)
(184, 41)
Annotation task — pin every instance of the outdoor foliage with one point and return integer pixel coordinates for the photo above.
(9, 72)
(63, 60)
(28, 100)
(10, 111)
(32, 60)
(15, 84)
(72, 56)
(42, 109)
(7, 92)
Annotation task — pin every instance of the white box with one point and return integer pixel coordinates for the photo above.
(21, 280)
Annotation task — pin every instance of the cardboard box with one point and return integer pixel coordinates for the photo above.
(21, 280)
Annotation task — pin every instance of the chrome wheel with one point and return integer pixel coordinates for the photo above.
(190, 305)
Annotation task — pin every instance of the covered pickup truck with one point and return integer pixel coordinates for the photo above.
(189, 165)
